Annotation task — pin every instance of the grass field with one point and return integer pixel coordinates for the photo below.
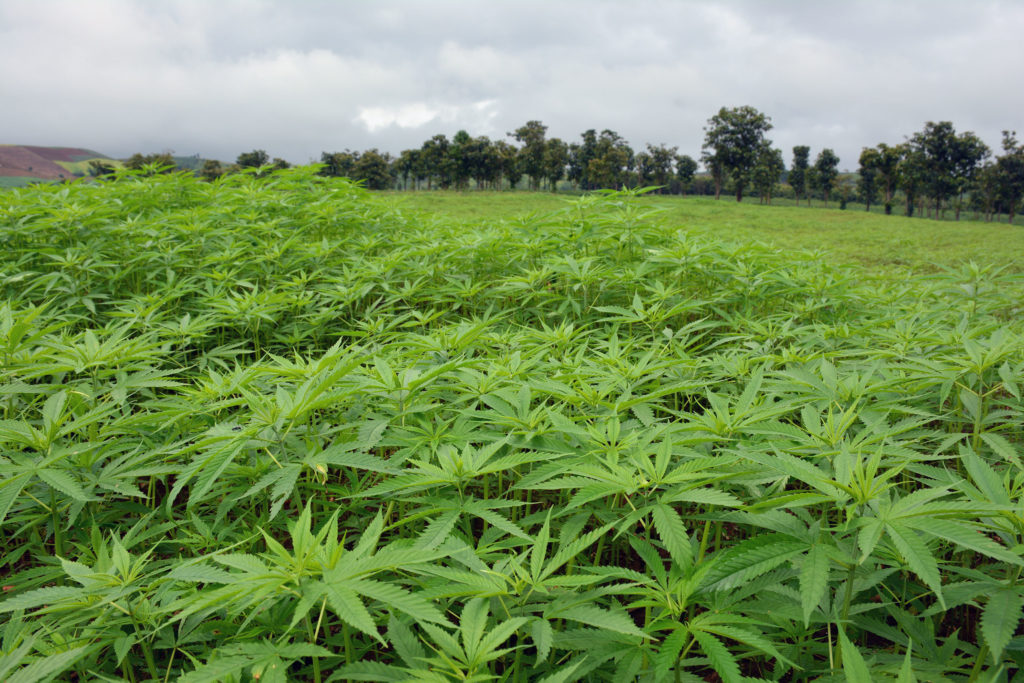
(271, 429)
(884, 244)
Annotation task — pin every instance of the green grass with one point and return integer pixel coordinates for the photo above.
(269, 429)
(17, 181)
(888, 245)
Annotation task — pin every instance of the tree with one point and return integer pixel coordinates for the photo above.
(887, 167)
(937, 147)
(508, 163)
(969, 153)
(867, 185)
(826, 170)
(1010, 168)
(732, 139)
(101, 168)
(461, 162)
(798, 174)
(580, 156)
(374, 169)
(253, 159)
(151, 164)
(556, 157)
(485, 161)
(767, 170)
(660, 165)
(211, 170)
(436, 160)
(613, 159)
(911, 174)
(985, 190)
(686, 167)
(644, 168)
(338, 164)
(406, 165)
(531, 154)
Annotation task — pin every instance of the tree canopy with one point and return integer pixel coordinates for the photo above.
(733, 139)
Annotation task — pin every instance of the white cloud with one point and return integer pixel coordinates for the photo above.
(299, 78)
(476, 116)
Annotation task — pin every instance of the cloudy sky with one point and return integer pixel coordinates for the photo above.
(298, 77)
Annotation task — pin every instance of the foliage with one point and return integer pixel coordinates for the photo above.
(254, 159)
(825, 172)
(268, 428)
(798, 173)
(768, 169)
(733, 139)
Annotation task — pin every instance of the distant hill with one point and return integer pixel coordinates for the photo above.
(22, 164)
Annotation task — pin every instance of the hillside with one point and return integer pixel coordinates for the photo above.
(21, 164)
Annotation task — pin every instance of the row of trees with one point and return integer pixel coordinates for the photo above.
(599, 160)
(932, 170)
(937, 168)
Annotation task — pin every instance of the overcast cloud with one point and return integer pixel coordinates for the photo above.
(300, 77)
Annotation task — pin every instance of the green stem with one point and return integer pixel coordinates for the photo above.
(847, 599)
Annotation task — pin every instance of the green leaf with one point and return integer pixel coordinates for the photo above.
(813, 580)
(1003, 448)
(907, 670)
(565, 673)
(438, 530)
(592, 615)
(970, 537)
(48, 667)
(405, 643)
(999, 620)
(749, 558)
(63, 482)
(350, 609)
(217, 669)
(41, 596)
(672, 532)
(854, 666)
(722, 661)
(915, 551)
(543, 637)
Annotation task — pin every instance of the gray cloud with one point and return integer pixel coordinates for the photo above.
(298, 78)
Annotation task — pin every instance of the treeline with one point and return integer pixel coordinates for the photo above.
(930, 172)
(599, 160)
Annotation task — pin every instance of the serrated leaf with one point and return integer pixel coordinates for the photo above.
(63, 482)
(201, 573)
(722, 661)
(907, 670)
(543, 637)
(753, 557)
(672, 532)
(563, 674)
(1003, 448)
(398, 598)
(349, 608)
(920, 560)
(41, 596)
(438, 530)
(814, 572)
(972, 538)
(48, 667)
(999, 620)
(854, 666)
(592, 615)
